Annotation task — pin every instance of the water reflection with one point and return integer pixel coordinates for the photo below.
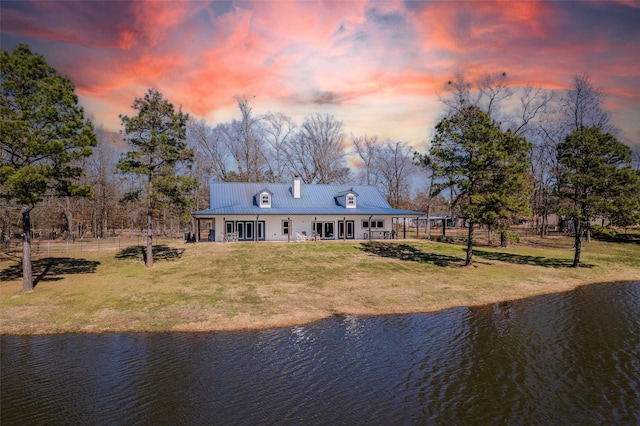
(569, 358)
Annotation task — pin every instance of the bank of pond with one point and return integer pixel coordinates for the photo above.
(567, 358)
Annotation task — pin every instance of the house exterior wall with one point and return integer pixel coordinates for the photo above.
(273, 226)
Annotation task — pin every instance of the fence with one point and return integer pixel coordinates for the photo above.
(87, 245)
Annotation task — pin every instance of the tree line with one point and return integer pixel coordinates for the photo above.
(503, 159)
(499, 154)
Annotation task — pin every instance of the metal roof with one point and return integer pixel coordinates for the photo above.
(237, 198)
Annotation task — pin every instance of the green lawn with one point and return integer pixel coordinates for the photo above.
(213, 286)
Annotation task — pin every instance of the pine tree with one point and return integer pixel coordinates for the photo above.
(596, 179)
(157, 136)
(510, 189)
(43, 136)
(485, 164)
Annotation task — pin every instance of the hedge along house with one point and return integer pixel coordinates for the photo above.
(284, 212)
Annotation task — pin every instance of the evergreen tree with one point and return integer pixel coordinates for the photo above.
(485, 165)
(596, 179)
(43, 136)
(511, 186)
(157, 136)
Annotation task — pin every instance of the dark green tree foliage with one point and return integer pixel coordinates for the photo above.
(508, 193)
(157, 136)
(597, 180)
(43, 137)
(486, 165)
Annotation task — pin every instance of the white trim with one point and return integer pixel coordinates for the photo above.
(261, 200)
(350, 201)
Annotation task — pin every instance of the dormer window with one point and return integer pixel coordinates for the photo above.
(347, 199)
(264, 199)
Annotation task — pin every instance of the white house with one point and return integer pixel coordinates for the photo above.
(287, 212)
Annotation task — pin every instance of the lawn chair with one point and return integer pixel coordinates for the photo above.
(301, 237)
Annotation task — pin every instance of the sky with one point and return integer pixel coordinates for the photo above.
(380, 67)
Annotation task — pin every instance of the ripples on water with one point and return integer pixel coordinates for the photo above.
(570, 358)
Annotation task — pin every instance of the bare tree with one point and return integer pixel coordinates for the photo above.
(459, 94)
(635, 156)
(536, 105)
(243, 139)
(395, 166)
(583, 106)
(316, 154)
(211, 153)
(101, 171)
(534, 116)
(426, 201)
(492, 90)
(277, 130)
(368, 150)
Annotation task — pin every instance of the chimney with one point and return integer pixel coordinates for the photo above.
(296, 187)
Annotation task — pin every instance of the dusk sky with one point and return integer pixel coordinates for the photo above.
(378, 66)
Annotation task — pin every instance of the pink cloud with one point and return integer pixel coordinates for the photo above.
(331, 55)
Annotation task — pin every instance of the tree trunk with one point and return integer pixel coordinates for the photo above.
(577, 244)
(149, 256)
(427, 225)
(68, 215)
(27, 272)
(489, 235)
(469, 245)
(503, 238)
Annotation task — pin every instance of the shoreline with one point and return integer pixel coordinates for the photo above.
(250, 287)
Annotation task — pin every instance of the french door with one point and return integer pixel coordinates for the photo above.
(245, 230)
(350, 228)
(325, 230)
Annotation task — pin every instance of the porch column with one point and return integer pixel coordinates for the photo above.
(344, 228)
(198, 230)
(404, 228)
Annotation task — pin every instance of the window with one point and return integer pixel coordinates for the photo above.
(351, 201)
(265, 200)
(285, 227)
(375, 224)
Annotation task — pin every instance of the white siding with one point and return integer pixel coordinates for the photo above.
(300, 223)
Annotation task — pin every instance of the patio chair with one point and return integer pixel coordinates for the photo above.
(301, 237)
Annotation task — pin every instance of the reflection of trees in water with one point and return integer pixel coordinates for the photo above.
(504, 318)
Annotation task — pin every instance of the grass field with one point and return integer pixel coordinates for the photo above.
(232, 286)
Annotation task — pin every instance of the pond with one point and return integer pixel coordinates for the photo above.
(569, 358)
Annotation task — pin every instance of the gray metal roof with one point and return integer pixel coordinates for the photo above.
(236, 198)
